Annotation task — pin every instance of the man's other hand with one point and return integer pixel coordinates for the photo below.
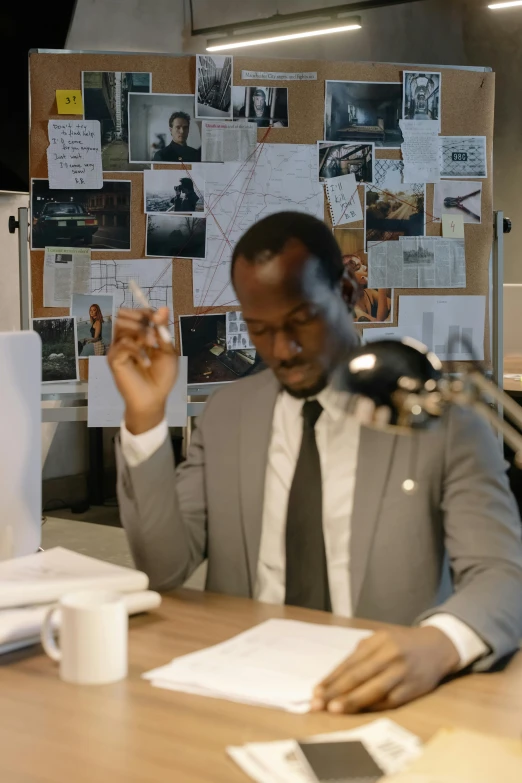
(388, 669)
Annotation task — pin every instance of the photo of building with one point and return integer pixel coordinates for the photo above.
(364, 112)
(421, 96)
(105, 98)
(213, 87)
(337, 159)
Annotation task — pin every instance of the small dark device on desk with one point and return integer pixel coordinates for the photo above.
(339, 762)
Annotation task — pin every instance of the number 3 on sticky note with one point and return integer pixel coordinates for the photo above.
(69, 101)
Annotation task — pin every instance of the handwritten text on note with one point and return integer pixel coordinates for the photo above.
(74, 154)
(69, 101)
(343, 198)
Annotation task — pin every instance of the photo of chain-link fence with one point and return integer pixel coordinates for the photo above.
(463, 156)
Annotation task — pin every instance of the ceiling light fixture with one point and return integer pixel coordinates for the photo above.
(289, 27)
(231, 44)
(512, 4)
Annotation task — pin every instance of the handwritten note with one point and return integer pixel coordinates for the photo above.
(69, 101)
(343, 198)
(420, 151)
(453, 226)
(74, 154)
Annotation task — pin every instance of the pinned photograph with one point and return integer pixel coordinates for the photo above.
(391, 214)
(99, 219)
(458, 198)
(374, 305)
(388, 173)
(337, 159)
(237, 332)
(204, 343)
(266, 106)
(463, 156)
(106, 98)
(421, 96)
(364, 112)
(94, 315)
(175, 191)
(162, 129)
(213, 87)
(59, 348)
(175, 236)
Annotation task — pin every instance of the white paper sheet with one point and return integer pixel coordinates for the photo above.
(279, 177)
(66, 271)
(446, 325)
(228, 141)
(390, 745)
(237, 332)
(43, 577)
(105, 404)
(385, 333)
(279, 76)
(343, 199)
(74, 154)
(22, 626)
(153, 275)
(420, 150)
(276, 664)
(417, 262)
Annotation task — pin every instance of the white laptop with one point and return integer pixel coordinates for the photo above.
(20, 443)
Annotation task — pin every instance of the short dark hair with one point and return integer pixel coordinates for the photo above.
(268, 237)
(182, 115)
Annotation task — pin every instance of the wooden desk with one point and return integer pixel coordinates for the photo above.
(130, 732)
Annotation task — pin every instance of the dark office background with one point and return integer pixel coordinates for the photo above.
(23, 27)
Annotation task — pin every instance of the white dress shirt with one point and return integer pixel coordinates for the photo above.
(337, 436)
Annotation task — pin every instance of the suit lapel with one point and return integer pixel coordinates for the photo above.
(256, 428)
(373, 465)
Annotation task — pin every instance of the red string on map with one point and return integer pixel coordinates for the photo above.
(256, 155)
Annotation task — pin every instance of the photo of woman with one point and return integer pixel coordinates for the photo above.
(96, 338)
(94, 323)
(374, 305)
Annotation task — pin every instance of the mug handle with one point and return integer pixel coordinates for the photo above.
(47, 635)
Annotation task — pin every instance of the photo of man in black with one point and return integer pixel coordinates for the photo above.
(261, 114)
(178, 149)
(186, 197)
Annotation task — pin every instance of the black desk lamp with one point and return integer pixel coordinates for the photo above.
(406, 378)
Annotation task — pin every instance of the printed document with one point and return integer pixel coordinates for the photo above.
(276, 664)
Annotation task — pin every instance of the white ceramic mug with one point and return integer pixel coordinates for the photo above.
(93, 637)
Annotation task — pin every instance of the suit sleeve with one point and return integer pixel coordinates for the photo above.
(164, 511)
(482, 536)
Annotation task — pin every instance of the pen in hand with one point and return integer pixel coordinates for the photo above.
(143, 301)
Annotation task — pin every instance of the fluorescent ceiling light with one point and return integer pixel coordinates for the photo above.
(512, 4)
(283, 37)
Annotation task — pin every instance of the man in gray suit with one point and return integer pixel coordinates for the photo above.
(292, 501)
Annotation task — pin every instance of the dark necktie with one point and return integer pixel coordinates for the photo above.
(306, 571)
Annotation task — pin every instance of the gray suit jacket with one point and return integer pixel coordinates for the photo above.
(454, 545)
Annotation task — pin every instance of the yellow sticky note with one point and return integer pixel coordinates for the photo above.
(453, 226)
(69, 101)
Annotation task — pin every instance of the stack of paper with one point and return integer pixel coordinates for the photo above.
(275, 664)
(29, 584)
(391, 746)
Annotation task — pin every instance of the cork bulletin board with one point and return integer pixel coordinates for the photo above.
(467, 109)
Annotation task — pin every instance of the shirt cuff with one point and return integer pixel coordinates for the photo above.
(139, 448)
(468, 644)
